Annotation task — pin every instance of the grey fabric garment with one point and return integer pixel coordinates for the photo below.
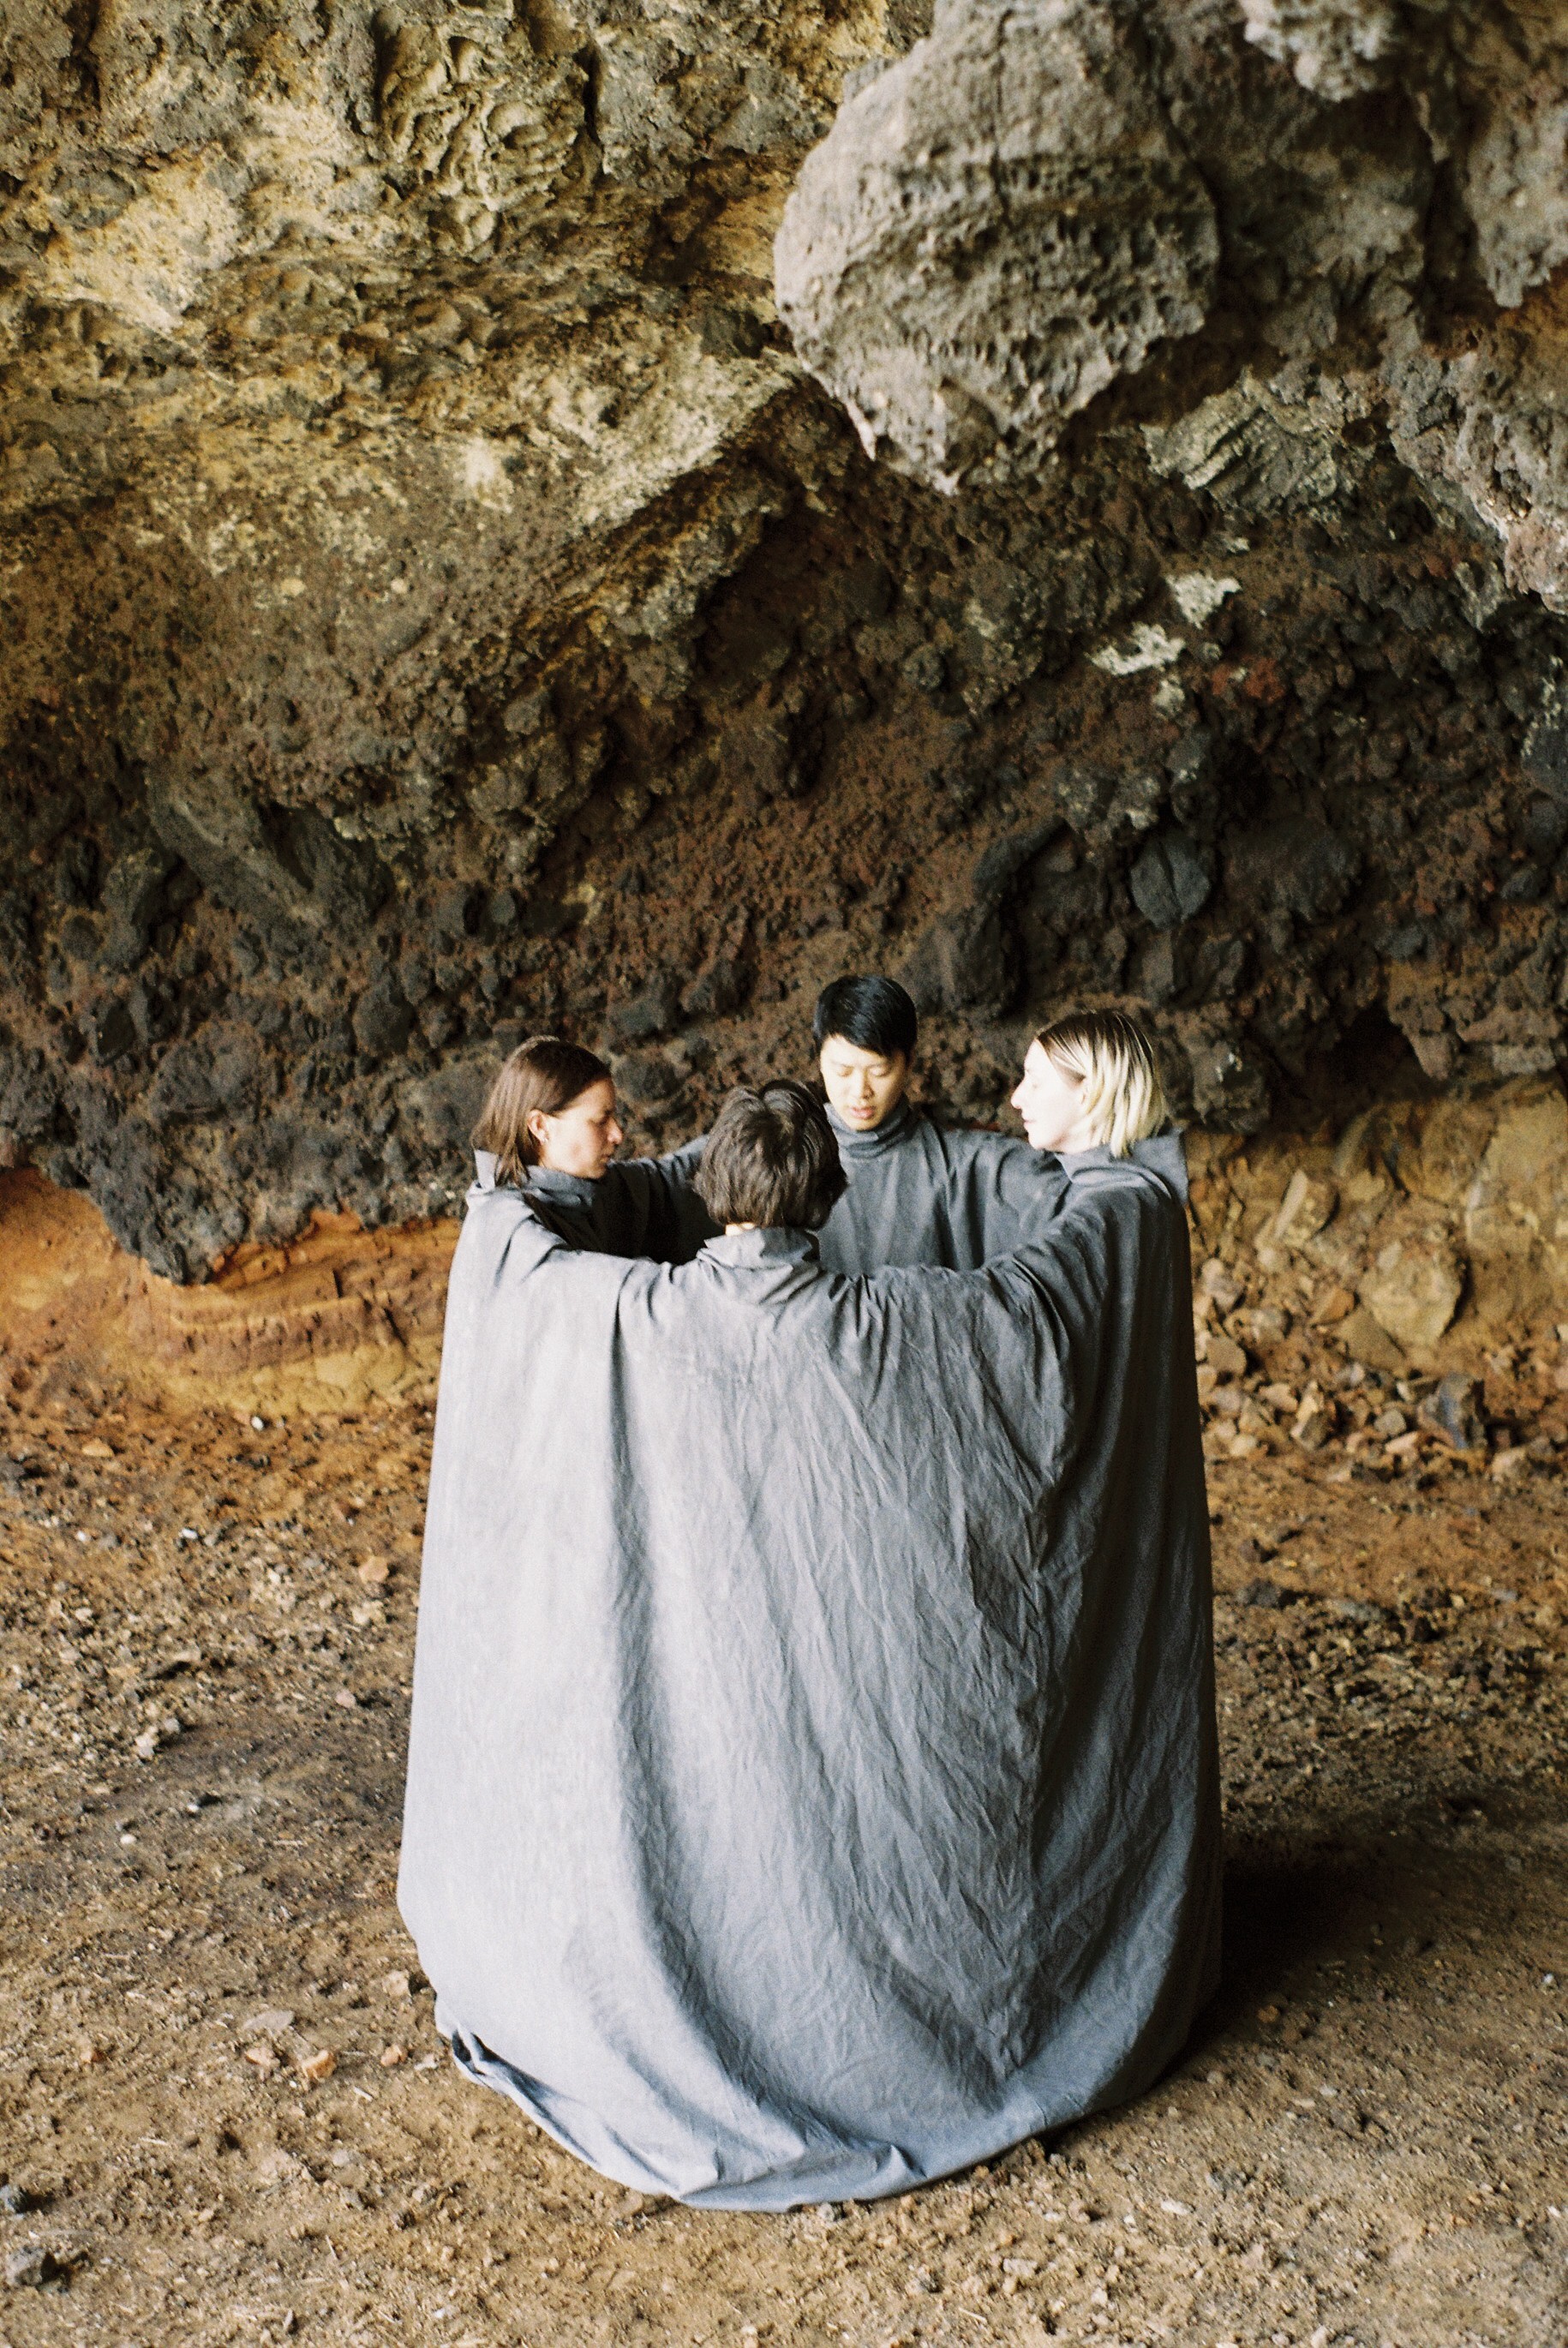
(812, 1782)
(638, 1206)
(1164, 1154)
(921, 1193)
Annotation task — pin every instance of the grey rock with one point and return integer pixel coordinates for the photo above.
(1335, 48)
(717, 990)
(114, 1033)
(962, 963)
(1229, 1089)
(647, 1078)
(996, 228)
(133, 896)
(1257, 453)
(653, 1012)
(1450, 1410)
(14, 2202)
(29, 2268)
(383, 1019)
(1171, 881)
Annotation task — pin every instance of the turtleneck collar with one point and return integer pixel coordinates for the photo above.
(544, 1182)
(1163, 1155)
(895, 1127)
(563, 1190)
(756, 1250)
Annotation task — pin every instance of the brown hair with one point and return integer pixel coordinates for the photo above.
(771, 1160)
(1114, 1061)
(546, 1072)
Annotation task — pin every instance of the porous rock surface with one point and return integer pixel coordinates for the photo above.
(439, 602)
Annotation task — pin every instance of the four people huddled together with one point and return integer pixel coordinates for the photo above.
(812, 1779)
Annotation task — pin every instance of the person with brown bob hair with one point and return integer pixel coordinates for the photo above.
(771, 1162)
(550, 1127)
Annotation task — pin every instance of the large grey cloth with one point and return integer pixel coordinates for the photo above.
(812, 1782)
(638, 1206)
(923, 1193)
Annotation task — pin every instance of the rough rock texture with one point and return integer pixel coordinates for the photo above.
(997, 229)
(438, 604)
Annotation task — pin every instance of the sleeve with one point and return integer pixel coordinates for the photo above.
(647, 1207)
(1013, 1193)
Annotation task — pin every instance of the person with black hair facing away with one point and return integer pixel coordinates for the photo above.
(550, 1126)
(812, 1783)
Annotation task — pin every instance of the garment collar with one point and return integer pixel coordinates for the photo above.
(541, 1181)
(752, 1250)
(1164, 1154)
(560, 1190)
(895, 1127)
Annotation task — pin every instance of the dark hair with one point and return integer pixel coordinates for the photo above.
(874, 1013)
(545, 1073)
(771, 1160)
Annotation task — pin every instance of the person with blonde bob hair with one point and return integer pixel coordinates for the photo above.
(1091, 1082)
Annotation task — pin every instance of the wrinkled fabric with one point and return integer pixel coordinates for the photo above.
(812, 1782)
(920, 1193)
(638, 1206)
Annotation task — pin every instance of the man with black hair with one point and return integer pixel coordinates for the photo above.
(917, 1192)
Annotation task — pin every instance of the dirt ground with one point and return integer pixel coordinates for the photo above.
(225, 2114)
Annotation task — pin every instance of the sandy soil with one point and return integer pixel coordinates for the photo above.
(225, 2114)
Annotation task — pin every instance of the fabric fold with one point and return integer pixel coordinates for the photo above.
(812, 1782)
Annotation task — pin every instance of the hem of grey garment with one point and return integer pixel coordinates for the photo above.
(834, 2170)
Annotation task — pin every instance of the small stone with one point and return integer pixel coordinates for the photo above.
(1308, 1204)
(263, 2056)
(318, 2066)
(29, 2268)
(395, 1984)
(374, 1572)
(348, 1699)
(271, 2022)
(1449, 1411)
(13, 2201)
(392, 2056)
(1226, 1356)
(97, 1448)
(1262, 1593)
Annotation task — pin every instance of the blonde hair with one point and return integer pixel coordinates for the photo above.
(1109, 1055)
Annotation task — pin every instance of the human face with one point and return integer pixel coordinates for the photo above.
(1050, 1102)
(863, 1086)
(584, 1137)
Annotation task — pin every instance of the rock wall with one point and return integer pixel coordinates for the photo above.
(450, 587)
